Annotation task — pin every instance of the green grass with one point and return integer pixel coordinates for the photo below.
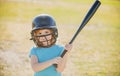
(96, 49)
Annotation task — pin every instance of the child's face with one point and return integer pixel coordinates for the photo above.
(43, 36)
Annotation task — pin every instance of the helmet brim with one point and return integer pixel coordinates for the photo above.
(45, 27)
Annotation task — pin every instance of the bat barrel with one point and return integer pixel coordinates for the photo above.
(87, 18)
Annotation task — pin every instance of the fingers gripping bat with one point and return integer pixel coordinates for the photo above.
(88, 16)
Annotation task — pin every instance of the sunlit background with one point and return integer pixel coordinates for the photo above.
(96, 50)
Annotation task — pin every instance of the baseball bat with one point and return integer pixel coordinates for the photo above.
(88, 16)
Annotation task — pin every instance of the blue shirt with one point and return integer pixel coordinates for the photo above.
(44, 54)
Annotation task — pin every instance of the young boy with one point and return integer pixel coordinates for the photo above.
(46, 53)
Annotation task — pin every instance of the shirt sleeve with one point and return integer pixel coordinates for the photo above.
(61, 50)
(32, 52)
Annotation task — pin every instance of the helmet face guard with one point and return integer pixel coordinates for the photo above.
(44, 22)
(49, 42)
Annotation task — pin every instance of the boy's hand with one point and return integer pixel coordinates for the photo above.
(68, 47)
(57, 60)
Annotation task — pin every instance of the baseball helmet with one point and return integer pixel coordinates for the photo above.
(44, 21)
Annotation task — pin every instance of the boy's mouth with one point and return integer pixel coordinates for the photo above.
(45, 42)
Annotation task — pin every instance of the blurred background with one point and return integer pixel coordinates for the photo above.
(96, 50)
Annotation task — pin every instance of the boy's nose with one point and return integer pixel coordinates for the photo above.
(42, 39)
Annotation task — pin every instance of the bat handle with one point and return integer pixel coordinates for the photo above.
(64, 52)
(62, 55)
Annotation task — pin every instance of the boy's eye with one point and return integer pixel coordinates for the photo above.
(40, 33)
(47, 32)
